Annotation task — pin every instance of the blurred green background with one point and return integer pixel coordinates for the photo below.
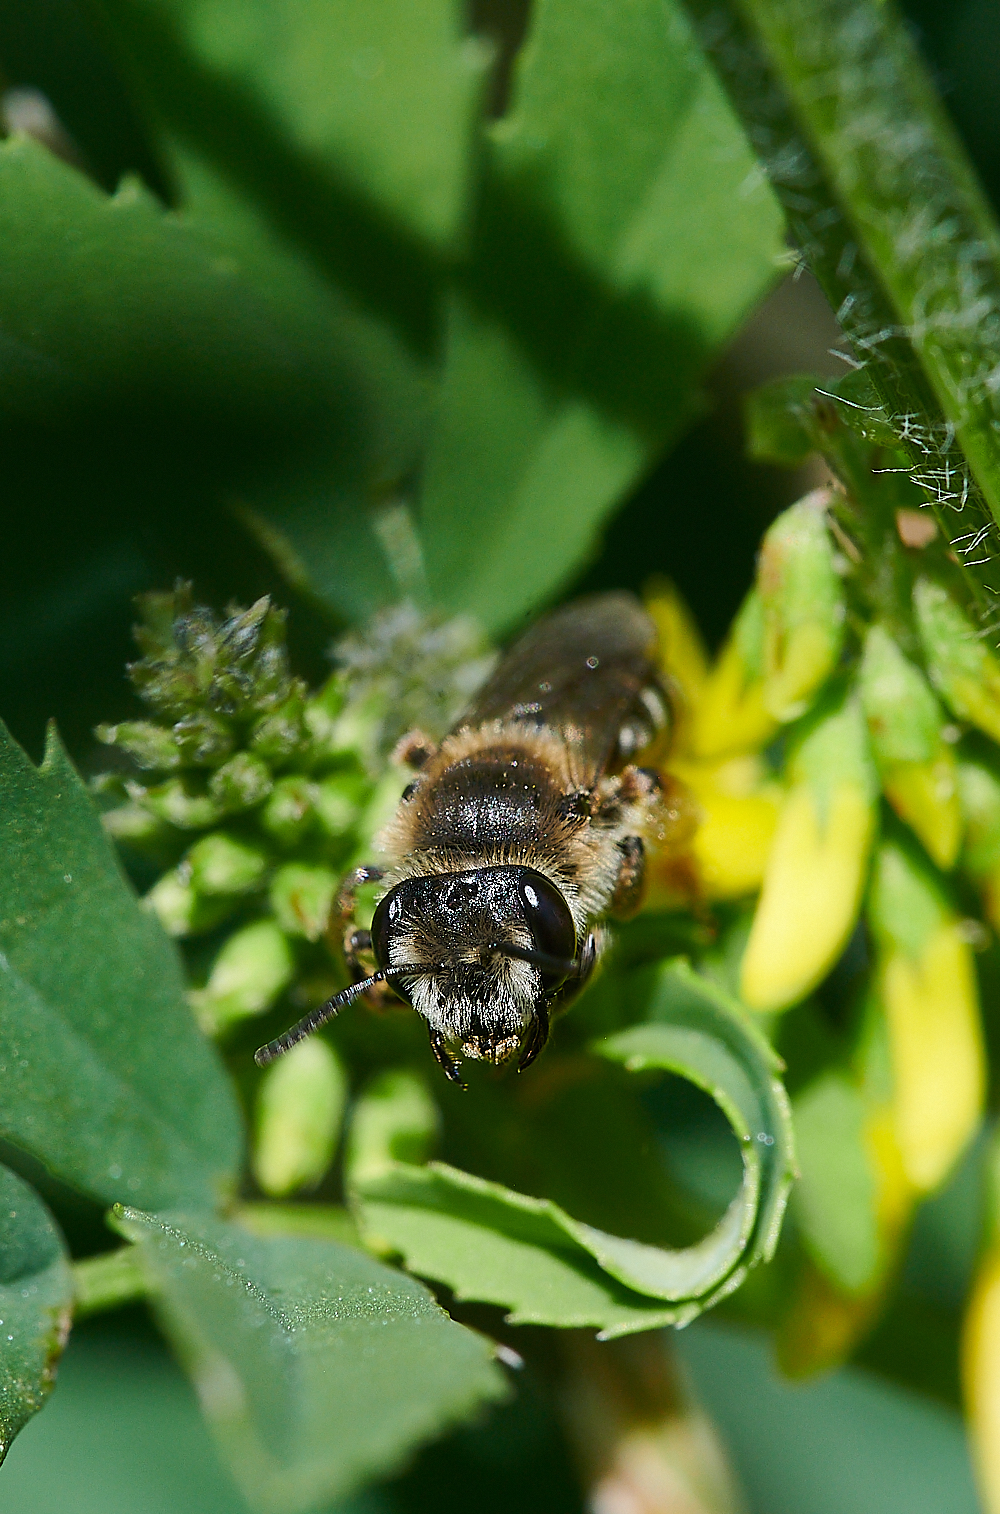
(87, 526)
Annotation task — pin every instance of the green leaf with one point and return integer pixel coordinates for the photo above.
(489, 1242)
(106, 1078)
(375, 103)
(202, 353)
(36, 1304)
(317, 1367)
(622, 237)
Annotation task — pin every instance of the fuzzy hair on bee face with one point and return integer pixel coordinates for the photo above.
(475, 995)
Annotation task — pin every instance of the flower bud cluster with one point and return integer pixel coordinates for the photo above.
(258, 792)
(842, 755)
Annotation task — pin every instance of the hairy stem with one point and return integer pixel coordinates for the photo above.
(888, 214)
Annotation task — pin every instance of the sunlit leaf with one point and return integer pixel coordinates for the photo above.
(489, 1242)
(623, 234)
(317, 1367)
(106, 1078)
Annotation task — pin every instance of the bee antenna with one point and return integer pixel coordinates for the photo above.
(317, 1017)
(568, 965)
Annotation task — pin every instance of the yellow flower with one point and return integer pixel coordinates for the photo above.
(816, 869)
(731, 715)
(737, 810)
(981, 1357)
(927, 986)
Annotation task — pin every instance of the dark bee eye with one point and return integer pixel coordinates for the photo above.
(549, 920)
(380, 932)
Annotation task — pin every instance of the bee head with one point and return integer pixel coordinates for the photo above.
(478, 954)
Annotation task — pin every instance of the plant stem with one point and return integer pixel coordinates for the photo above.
(890, 218)
(640, 1443)
(107, 1281)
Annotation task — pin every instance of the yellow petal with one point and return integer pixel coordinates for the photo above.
(682, 652)
(932, 1010)
(981, 1377)
(731, 716)
(925, 795)
(812, 890)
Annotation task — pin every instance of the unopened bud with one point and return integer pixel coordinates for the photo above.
(915, 763)
(302, 896)
(253, 968)
(289, 814)
(240, 783)
(279, 735)
(150, 746)
(816, 870)
(927, 987)
(731, 716)
(962, 666)
(979, 788)
(223, 864)
(183, 802)
(803, 607)
(300, 1107)
(395, 1120)
(179, 907)
(203, 739)
(340, 801)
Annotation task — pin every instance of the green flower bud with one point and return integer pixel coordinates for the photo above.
(302, 896)
(182, 802)
(915, 763)
(240, 783)
(395, 1120)
(180, 909)
(150, 746)
(321, 712)
(251, 661)
(339, 801)
(289, 815)
(203, 740)
(278, 736)
(300, 1107)
(252, 970)
(223, 864)
(963, 669)
(803, 607)
(132, 825)
(979, 789)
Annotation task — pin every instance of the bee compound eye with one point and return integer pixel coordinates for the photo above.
(380, 929)
(548, 918)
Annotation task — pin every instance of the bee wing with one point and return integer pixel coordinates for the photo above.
(588, 671)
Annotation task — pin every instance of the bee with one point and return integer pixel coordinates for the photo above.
(518, 835)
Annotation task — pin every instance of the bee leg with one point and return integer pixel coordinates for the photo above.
(538, 1034)
(628, 888)
(444, 1057)
(355, 942)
